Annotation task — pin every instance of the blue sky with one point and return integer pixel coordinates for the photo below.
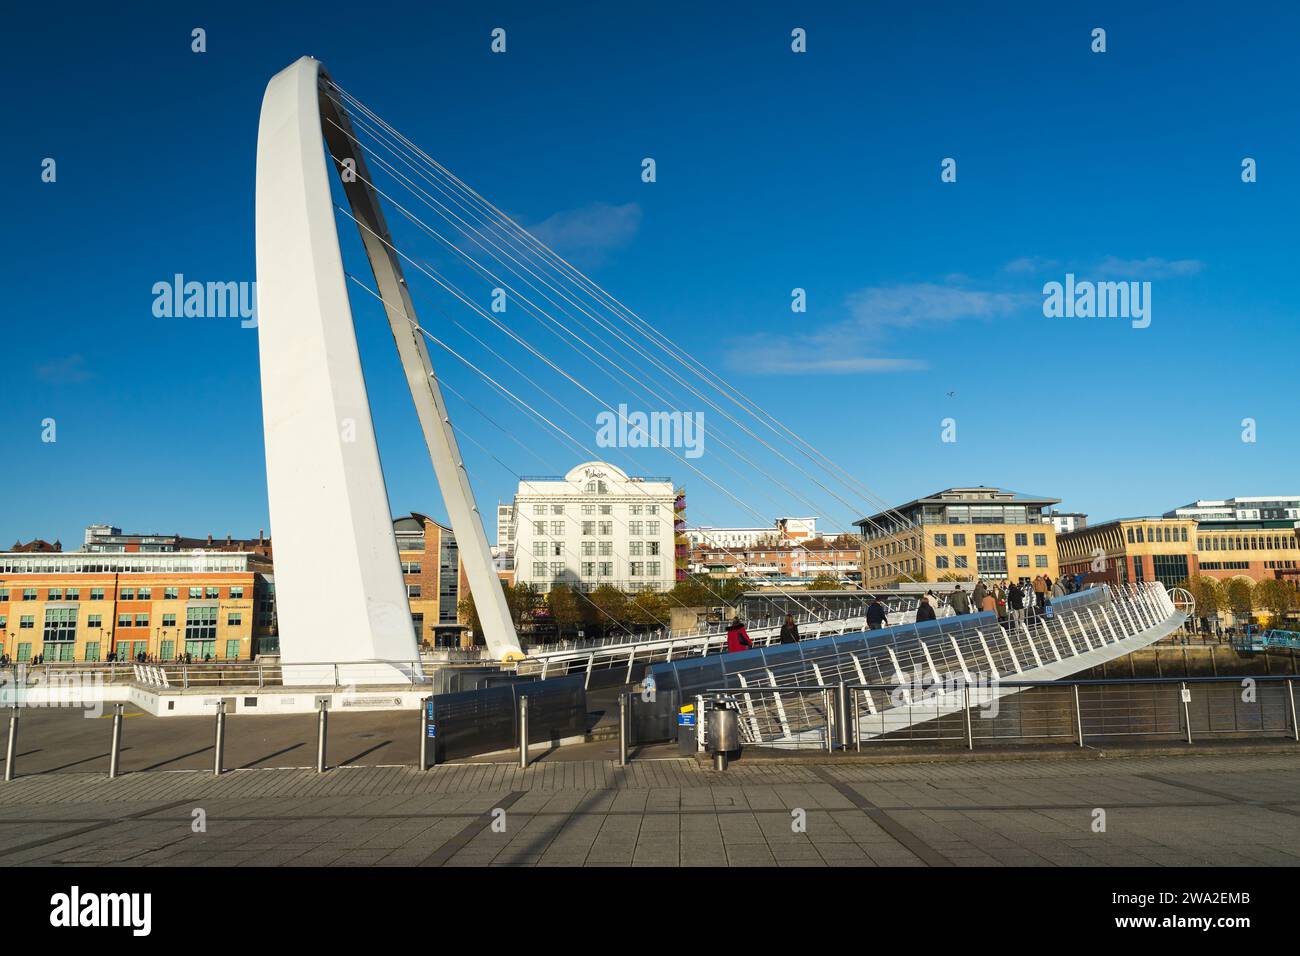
(775, 171)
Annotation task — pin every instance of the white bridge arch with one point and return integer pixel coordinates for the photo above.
(339, 589)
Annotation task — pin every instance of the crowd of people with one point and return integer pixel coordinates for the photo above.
(1011, 600)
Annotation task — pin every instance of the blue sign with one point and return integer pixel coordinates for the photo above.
(1047, 612)
(428, 712)
(685, 720)
(433, 730)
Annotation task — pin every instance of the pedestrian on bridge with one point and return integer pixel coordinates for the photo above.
(977, 595)
(789, 631)
(877, 614)
(959, 602)
(737, 637)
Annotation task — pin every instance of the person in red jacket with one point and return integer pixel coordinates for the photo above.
(737, 637)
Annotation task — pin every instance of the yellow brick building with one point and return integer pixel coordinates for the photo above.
(84, 606)
(1131, 551)
(960, 534)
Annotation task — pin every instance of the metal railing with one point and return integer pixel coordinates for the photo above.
(1083, 630)
(1027, 712)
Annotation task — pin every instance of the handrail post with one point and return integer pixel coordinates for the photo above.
(857, 726)
(219, 746)
(1078, 715)
(842, 715)
(11, 751)
(970, 733)
(523, 732)
(622, 729)
(1290, 693)
(1186, 695)
(322, 735)
(827, 707)
(113, 761)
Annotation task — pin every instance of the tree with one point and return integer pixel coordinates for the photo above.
(605, 608)
(825, 582)
(1275, 596)
(649, 609)
(563, 604)
(1208, 594)
(524, 601)
(1240, 596)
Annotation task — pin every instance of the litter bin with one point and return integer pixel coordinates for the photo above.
(723, 736)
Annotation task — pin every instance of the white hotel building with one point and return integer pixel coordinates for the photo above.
(596, 525)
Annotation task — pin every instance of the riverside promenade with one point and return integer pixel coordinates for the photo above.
(1211, 809)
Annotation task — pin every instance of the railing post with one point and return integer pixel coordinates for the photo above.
(322, 735)
(1078, 715)
(1186, 695)
(857, 726)
(219, 747)
(117, 742)
(842, 715)
(1290, 693)
(523, 732)
(11, 751)
(622, 729)
(260, 680)
(185, 677)
(970, 735)
(826, 706)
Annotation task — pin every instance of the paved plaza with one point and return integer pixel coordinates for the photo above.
(1188, 810)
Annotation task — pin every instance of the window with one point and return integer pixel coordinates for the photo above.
(634, 509)
(941, 541)
(26, 622)
(652, 568)
(941, 562)
(589, 527)
(635, 549)
(60, 624)
(1022, 560)
(126, 594)
(1040, 540)
(557, 528)
(72, 594)
(235, 619)
(635, 568)
(606, 568)
(589, 509)
(200, 623)
(196, 594)
(606, 549)
(539, 509)
(539, 569)
(212, 593)
(606, 527)
(124, 620)
(959, 540)
(1022, 540)
(652, 509)
(169, 620)
(171, 594)
(29, 594)
(557, 509)
(4, 622)
(557, 568)
(4, 594)
(607, 509)
(539, 527)
(960, 560)
(652, 548)
(634, 527)
(539, 549)
(1040, 560)
(144, 594)
(142, 620)
(588, 549)
(413, 590)
(588, 569)
(652, 528)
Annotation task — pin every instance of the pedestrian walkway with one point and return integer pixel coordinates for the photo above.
(1189, 810)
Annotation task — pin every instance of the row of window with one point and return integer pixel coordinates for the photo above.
(1157, 534)
(604, 569)
(592, 509)
(1249, 542)
(61, 650)
(124, 594)
(61, 623)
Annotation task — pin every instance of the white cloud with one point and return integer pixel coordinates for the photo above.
(852, 346)
(585, 236)
(1152, 267)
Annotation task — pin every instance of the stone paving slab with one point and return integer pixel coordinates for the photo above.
(1189, 810)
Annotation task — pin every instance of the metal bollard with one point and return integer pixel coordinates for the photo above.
(113, 762)
(828, 710)
(424, 735)
(1187, 709)
(220, 747)
(523, 733)
(11, 751)
(322, 732)
(622, 730)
